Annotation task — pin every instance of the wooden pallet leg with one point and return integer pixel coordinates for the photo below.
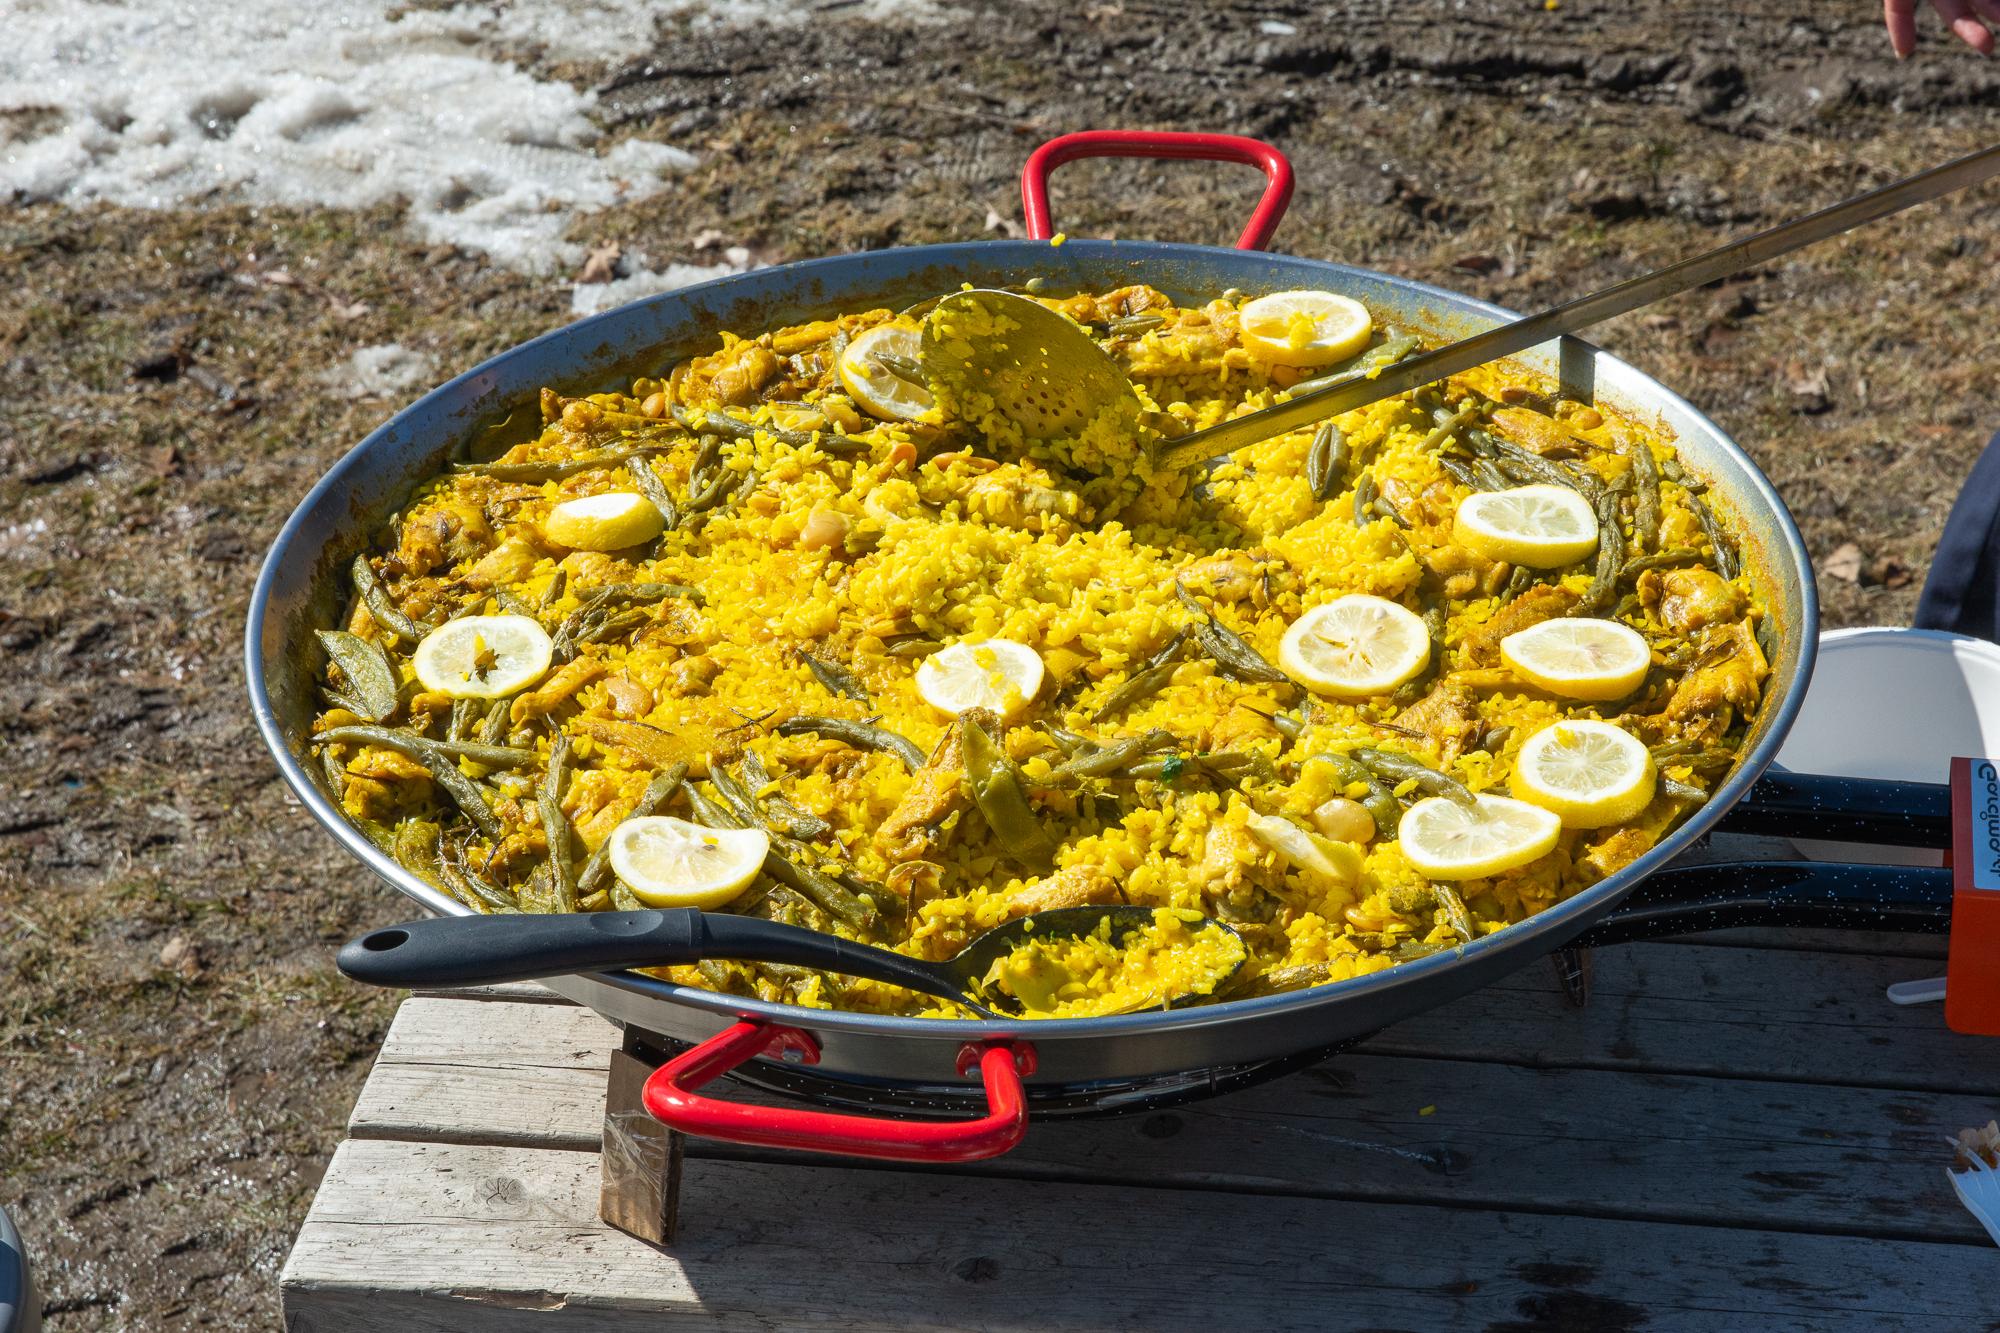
(641, 1163)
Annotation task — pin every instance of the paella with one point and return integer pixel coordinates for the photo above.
(783, 630)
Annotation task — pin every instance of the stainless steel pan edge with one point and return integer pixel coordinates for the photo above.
(301, 584)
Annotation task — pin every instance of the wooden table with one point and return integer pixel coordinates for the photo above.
(1738, 1133)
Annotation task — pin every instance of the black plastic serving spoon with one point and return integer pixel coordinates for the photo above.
(484, 950)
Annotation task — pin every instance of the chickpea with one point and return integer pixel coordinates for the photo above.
(1344, 820)
(824, 529)
(580, 414)
(1588, 418)
(655, 405)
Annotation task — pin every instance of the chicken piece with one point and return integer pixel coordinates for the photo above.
(1689, 599)
(690, 742)
(449, 529)
(1239, 576)
(1448, 716)
(589, 569)
(1078, 886)
(627, 697)
(1014, 497)
(509, 562)
(1239, 726)
(1543, 434)
(1611, 854)
(691, 676)
(936, 792)
(1539, 603)
(1726, 679)
(730, 377)
(387, 766)
(1228, 856)
(555, 691)
(367, 800)
(915, 881)
(596, 802)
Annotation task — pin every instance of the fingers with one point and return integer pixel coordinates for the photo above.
(1901, 16)
(1957, 14)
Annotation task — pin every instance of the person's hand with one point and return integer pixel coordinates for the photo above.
(1967, 18)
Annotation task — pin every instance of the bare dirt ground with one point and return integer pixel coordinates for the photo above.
(176, 1052)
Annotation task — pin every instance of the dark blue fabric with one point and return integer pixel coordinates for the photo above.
(1962, 593)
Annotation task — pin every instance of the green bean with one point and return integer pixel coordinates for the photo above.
(703, 420)
(1725, 551)
(335, 772)
(860, 735)
(595, 624)
(493, 728)
(510, 603)
(707, 812)
(1388, 510)
(555, 824)
(1232, 767)
(376, 598)
(1450, 426)
(1646, 504)
(1326, 461)
(833, 677)
(658, 792)
(655, 490)
(1090, 759)
(1455, 914)
(475, 890)
(366, 671)
(1293, 725)
(1668, 749)
(558, 584)
(415, 746)
(1410, 950)
(907, 369)
(1378, 800)
(1238, 660)
(1528, 467)
(1279, 980)
(1681, 791)
(560, 469)
(1400, 768)
(1147, 681)
(1133, 325)
(718, 976)
(459, 723)
(1603, 588)
(1364, 498)
(1518, 582)
(998, 792)
(710, 494)
(913, 646)
(786, 863)
(795, 820)
(435, 756)
(1678, 555)
(625, 593)
(1393, 348)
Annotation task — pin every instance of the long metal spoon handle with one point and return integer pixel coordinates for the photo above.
(486, 950)
(1617, 299)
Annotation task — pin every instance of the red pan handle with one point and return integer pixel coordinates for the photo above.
(1153, 143)
(671, 1097)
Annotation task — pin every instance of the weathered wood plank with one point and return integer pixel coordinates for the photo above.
(1698, 1009)
(409, 1237)
(1880, 944)
(1674, 1148)
(523, 992)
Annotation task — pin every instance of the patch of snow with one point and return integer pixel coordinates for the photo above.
(594, 297)
(300, 102)
(379, 371)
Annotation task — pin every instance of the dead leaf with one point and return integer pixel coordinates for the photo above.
(347, 309)
(1844, 564)
(163, 460)
(1890, 573)
(707, 238)
(1477, 263)
(179, 955)
(601, 265)
(1006, 226)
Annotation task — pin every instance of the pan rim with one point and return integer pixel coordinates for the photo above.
(1551, 927)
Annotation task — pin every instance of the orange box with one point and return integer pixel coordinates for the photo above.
(1972, 977)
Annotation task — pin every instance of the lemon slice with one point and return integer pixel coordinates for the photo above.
(668, 862)
(483, 657)
(1542, 527)
(1589, 774)
(1579, 658)
(1446, 840)
(999, 674)
(608, 522)
(1355, 646)
(877, 388)
(1305, 328)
